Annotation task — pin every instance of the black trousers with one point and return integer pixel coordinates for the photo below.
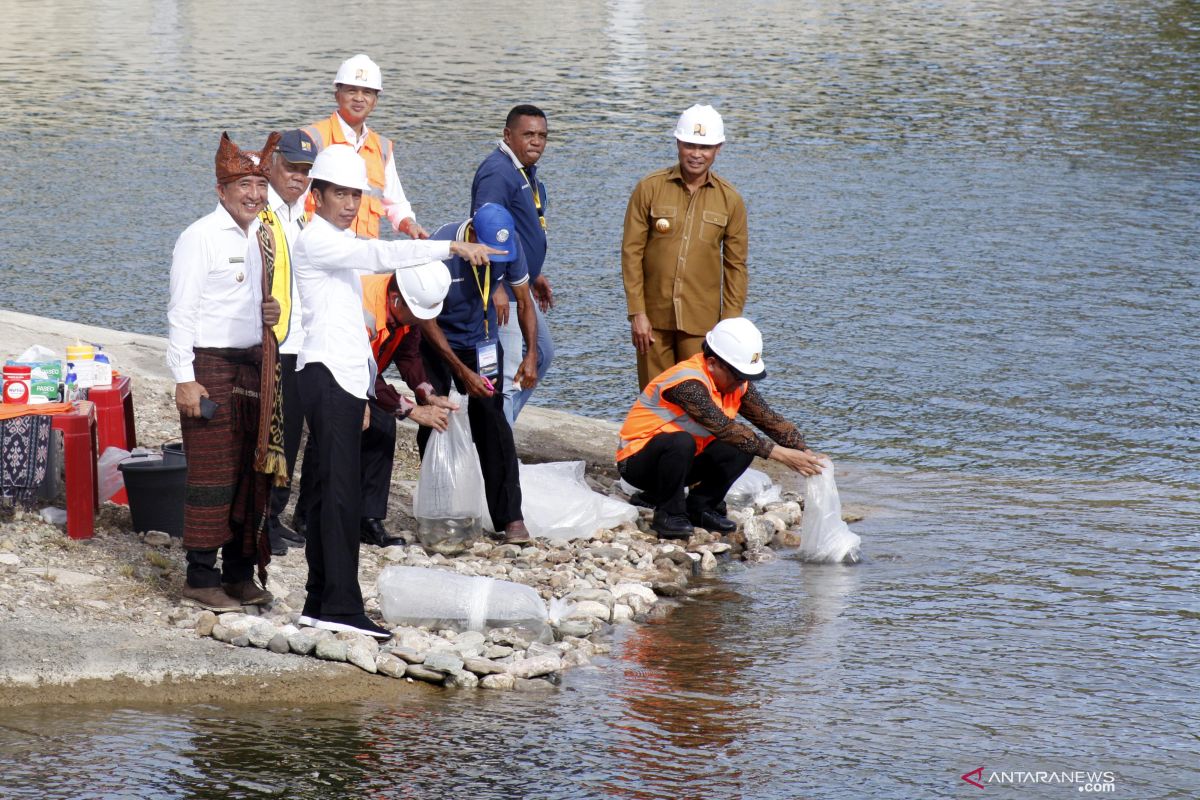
(293, 427)
(334, 418)
(202, 572)
(669, 462)
(492, 434)
(378, 454)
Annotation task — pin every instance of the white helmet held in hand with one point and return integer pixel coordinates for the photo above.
(340, 165)
(424, 288)
(700, 125)
(739, 344)
(359, 70)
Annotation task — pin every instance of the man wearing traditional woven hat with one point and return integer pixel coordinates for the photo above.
(683, 252)
(215, 322)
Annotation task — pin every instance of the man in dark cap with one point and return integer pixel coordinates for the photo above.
(215, 322)
(288, 177)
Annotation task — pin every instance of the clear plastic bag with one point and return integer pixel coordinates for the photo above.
(437, 598)
(448, 503)
(753, 488)
(109, 479)
(558, 504)
(824, 535)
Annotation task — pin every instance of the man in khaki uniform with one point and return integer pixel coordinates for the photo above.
(683, 253)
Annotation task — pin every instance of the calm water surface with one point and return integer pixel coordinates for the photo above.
(973, 253)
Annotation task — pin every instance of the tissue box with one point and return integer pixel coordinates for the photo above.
(41, 370)
(41, 391)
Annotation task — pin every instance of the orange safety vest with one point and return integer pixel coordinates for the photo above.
(653, 414)
(384, 340)
(375, 151)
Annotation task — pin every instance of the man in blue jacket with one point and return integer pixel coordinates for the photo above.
(460, 346)
(509, 178)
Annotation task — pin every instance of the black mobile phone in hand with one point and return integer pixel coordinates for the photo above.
(208, 409)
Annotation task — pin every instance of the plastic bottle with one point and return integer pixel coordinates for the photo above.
(101, 368)
(16, 384)
(439, 599)
(80, 361)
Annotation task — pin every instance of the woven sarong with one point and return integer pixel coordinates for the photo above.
(24, 452)
(226, 496)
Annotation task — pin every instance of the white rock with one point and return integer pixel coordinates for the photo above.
(303, 641)
(331, 650)
(157, 538)
(443, 661)
(389, 665)
(503, 682)
(462, 679)
(708, 562)
(10, 560)
(361, 652)
(623, 590)
(759, 532)
(590, 608)
(63, 577)
(533, 667)
(261, 634)
(622, 613)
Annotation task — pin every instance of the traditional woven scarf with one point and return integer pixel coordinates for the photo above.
(269, 455)
(24, 452)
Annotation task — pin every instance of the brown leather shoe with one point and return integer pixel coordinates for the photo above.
(248, 592)
(211, 598)
(515, 532)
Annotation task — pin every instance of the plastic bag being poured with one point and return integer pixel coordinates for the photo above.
(824, 535)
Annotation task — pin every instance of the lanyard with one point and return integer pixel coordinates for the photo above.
(537, 198)
(485, 291)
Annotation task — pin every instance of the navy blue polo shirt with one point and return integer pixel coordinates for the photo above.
(499, 181)
(462, 311)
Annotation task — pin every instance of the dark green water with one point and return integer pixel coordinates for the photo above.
(973, 254)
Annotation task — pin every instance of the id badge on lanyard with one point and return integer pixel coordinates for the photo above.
(487, 358)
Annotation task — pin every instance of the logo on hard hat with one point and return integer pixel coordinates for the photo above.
(360, 74)
(699, 130)
(754, 358)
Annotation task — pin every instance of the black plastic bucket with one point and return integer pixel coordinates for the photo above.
(172, 453)
(156, 494)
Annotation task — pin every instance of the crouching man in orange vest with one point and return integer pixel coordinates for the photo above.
(681, 432)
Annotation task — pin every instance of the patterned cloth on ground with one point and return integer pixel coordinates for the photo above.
(24, 454)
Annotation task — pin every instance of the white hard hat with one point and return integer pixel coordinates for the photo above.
(424, 288)
(359, 70)
(700, 125)
(739, 344)
(339, 164)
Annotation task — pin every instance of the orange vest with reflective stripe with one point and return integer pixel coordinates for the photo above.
(653, 414)
(375, 152)
(384, 340)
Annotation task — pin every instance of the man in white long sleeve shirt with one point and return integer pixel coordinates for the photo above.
(215, 322)
(357, 87)
(336, 373)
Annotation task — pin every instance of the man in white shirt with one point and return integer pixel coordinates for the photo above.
(337, 371)
(288, 176)
(215, 322)
(356, 89)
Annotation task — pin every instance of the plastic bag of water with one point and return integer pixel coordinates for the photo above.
(559, 504)
(448, 503)
(753, 488)
(824, 535)
(437, 598)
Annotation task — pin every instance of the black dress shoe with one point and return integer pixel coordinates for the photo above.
(671, 526)
(279, 545)
(371, 531)
(712, 521)
(642, 500)
(284, 532)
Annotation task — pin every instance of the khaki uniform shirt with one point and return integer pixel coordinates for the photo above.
(683, 256)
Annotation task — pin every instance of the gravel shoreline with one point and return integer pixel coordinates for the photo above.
(100, 620)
